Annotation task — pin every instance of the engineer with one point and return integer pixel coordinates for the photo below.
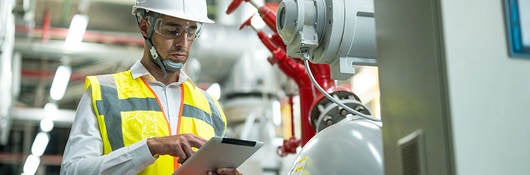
(149, 119)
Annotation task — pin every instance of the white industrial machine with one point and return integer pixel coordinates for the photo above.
(336, 32)
(340, 33)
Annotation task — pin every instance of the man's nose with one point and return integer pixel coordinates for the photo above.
(183, 40)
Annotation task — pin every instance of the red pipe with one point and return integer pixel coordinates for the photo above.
(322, 74)
(46, 23)
(297, 72)
(294, 69)
(267, 12)
(233, 6)
(277, 40)
(268, 16)
(46, 74)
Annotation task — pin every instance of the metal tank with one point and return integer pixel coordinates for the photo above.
(352, 146)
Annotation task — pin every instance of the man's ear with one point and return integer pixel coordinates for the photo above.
(144, 27)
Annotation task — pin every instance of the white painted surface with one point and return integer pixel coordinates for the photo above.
(489, 92)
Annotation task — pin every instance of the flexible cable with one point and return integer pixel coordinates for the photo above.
(306, 64)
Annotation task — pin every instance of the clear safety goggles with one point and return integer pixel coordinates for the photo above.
(173, 30)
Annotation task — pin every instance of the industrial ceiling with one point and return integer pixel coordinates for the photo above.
(111, 44)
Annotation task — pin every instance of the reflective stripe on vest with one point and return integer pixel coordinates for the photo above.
(216, 122)
(123, 104)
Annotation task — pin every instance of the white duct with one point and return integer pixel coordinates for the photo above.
(252, 73)
(54, 50)
(219, 47)
(7, 39)
(223, 41)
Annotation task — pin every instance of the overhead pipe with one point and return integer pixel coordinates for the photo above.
(47, 74)
(90, 36)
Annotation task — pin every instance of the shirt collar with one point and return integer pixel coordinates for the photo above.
(139, 70)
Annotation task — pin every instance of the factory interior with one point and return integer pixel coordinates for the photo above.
(338, 87)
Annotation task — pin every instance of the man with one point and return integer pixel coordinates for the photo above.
(151, 118)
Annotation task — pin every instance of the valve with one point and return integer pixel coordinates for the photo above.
(289, 147)
(278, 52)
(268, 15)
(325, 113)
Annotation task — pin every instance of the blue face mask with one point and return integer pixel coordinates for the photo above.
(172, 66)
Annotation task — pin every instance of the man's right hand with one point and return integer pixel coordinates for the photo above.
(175, 145)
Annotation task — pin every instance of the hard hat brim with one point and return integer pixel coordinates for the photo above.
(179, 15)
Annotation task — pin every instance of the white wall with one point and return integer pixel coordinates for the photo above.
(489, 91)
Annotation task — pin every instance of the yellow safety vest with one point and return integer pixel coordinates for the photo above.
(128, 111)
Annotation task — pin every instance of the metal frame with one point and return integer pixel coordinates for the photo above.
(514, 30)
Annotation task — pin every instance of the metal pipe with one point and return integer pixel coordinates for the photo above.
(297, 72)
(46, 24)
(90, 36)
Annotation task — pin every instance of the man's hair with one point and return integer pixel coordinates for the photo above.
(141, 14)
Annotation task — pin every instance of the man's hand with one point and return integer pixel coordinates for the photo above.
(175, 145)
(225, 171)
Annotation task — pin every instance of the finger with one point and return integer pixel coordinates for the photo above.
(195, 141)
(228, 171)
(180, 154)
(187, 151)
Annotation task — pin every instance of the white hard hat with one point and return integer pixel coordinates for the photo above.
(193, 10)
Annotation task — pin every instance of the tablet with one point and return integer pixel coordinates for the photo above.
(219, 153)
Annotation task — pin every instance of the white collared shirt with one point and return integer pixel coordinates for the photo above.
(84, 150)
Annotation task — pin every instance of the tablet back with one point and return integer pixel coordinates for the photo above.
(219, 153)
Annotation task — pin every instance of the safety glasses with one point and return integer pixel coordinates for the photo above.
(174, 30)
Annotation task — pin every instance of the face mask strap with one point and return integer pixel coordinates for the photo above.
(151, 18)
